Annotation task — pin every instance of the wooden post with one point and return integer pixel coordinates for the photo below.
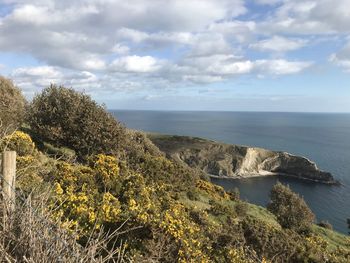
(8, 181)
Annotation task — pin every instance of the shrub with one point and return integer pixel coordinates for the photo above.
(271, 242)
(20, 142)
(219, 208)
(290, 209)
(193, 195)
(12, 106)
(234, 194)
(68, 118)
(241, 209)
(325, 224)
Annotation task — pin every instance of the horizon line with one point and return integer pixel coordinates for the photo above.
(238, 111)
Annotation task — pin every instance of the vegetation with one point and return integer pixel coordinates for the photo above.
(291, 211)
(12, 106)
(137, 205)
(66, 118)
(325, 224)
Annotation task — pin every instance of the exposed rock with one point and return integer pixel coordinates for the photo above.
(225, 160)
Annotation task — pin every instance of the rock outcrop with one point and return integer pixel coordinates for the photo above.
(225, 160)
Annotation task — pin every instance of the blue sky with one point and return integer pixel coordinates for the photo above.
(232, 55)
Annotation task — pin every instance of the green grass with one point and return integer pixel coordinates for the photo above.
(262, 214)
(333, 238)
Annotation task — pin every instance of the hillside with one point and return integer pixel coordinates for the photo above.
(89, 177)
(234, 161)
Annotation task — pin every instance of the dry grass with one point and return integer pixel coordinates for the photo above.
(28, 235)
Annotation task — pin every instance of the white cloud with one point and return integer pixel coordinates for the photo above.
(279, 44)
(32, 79)
(104, 44)
(136, 64)
(281, 66)
(342, 58)
(49, 72)
(231, 68)
(120, 49)
(309, 17)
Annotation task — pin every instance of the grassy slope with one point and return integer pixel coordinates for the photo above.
(334, 238)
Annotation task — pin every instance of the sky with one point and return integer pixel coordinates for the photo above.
(229, 55)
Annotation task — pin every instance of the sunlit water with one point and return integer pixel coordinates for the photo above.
(323, 138)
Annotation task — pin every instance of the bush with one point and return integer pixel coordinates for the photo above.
(19, 142)
(234, 194)
(12, 106)
(65, 117)
(325, 224)
(290, 209)
(219, 208)
(193, 195)
(241, 209)
(270, 242)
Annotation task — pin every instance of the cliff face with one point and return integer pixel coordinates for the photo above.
(224, 160)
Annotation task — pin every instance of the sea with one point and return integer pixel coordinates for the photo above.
(322, 137)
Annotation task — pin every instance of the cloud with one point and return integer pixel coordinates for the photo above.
(342, 58)
(136, 64)
(104, 45)
(281, 66)
(32, 79)
(279, 44)
(309, 17)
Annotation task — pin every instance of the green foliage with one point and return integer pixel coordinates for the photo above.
(18, 141)
(220, 208)
(164, 211)
(12, 106)
(271, 242)
(193, 195)
(234, 194)
(290, 209)
(325, 224)
(65, 117)
(241, 209)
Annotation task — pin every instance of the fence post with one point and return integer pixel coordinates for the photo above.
(9, 180)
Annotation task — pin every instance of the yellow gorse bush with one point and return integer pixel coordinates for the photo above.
(239, 255)
(213, 190)
(106, 166)
(185, 232)
(20, 142)
(29, 161)
(110, 207)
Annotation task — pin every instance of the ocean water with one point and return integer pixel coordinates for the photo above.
(323, 138)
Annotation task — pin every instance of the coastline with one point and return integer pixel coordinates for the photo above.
(266, 173)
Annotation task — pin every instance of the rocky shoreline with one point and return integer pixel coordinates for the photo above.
(240, 177)
(221, 160)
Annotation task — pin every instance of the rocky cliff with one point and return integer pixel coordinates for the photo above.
(225, 160)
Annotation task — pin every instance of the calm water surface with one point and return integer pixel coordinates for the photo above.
(323, 138)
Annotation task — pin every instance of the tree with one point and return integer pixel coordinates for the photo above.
(65, 117)
(290, 209)
(348, 221)
(68, 118)
(12, 106)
